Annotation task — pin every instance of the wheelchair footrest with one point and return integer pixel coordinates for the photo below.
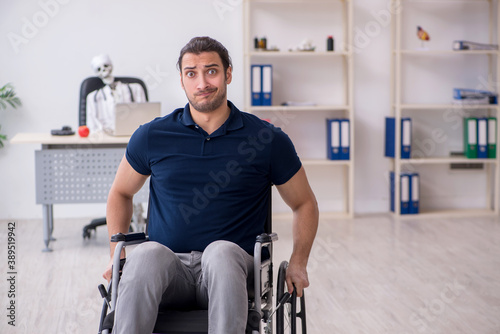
(109, 321)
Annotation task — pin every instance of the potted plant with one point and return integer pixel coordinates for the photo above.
(7, 98)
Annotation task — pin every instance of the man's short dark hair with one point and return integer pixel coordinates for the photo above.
(198, 45)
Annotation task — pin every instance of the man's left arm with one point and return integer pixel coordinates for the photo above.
(298, 195)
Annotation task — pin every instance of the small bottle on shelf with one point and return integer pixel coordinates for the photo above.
(329, 43)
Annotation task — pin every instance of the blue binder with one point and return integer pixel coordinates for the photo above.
(404, 194)
(415, 193)
(405, 138)
(256, 84)
(333, 138)
(390, 133)
(344, 139)
(482, 138)
(492, 137)
(390, 137)
(267, 85)
(391, 190)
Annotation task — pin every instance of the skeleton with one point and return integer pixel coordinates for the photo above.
(103, 68)
(101, 102)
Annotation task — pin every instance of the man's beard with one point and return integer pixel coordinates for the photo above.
(209, 106)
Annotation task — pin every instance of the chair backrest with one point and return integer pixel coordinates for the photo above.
(94, 83)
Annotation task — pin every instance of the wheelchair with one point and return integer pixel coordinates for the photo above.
(286, 315)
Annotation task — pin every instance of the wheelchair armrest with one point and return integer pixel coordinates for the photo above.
(130, 237)
(266, 238)
(122, 240)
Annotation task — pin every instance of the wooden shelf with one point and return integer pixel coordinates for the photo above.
(446, 160)
(310, 124)
(325, 162)
(450, 213)
(298, 108)
(447, 106)
(421, 53)
(401, 56)
(294, 1)
(300, 54)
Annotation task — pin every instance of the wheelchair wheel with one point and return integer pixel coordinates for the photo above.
(290, 317)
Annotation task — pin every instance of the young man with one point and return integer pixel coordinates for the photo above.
(211, 167)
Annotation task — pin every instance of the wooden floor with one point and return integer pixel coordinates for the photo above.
(372, 274)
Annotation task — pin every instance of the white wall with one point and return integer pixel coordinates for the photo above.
(46, 47)
(143, 38)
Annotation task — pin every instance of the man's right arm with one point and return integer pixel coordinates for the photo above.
(120, 206)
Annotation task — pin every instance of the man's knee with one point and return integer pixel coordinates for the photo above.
(150, 249)
(149, 256)
(222, 247)
(224, 255)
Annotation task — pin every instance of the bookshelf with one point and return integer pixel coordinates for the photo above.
(322, 77)
(438, 59)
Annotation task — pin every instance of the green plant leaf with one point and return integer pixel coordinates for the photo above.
(8, 97)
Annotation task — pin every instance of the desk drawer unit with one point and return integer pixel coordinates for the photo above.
(78, 175)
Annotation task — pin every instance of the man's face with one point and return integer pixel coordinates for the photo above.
(204, 81)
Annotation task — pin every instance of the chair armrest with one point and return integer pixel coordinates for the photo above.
(266, 238)
(122, 240)
(130, 238)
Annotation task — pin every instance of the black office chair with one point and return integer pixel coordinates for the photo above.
(289, 308)
(89, 85)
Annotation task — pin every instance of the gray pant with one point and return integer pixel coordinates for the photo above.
(154, 277)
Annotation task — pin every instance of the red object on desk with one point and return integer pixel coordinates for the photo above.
(83, 131)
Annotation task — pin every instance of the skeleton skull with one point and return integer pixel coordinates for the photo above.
(103, 68)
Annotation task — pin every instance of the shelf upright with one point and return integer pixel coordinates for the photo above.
(396, 95)
(348, 31)
(496, 191)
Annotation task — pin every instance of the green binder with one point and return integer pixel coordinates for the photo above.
(470, 137)
(492, 137)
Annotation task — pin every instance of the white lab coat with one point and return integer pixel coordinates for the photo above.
(101, 104)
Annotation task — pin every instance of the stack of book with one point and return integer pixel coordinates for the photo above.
(474, 96)
(480, 137)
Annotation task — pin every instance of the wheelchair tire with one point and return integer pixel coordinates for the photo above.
(288, 319)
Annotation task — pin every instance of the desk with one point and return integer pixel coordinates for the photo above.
(71, 169)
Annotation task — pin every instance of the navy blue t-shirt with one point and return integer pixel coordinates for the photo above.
(204, 187)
